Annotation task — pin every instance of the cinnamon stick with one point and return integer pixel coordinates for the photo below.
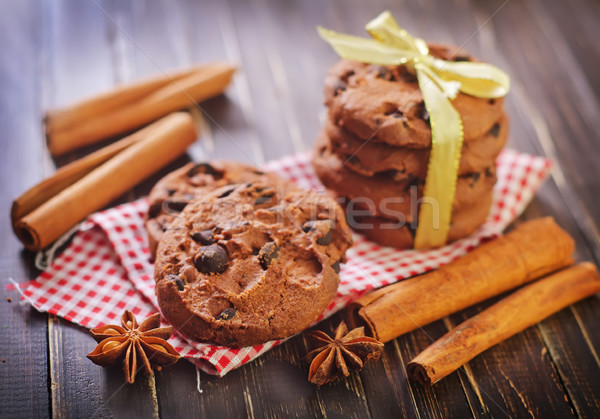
(163, 141)
(67, 175)
(61, 119)
(129, 108)
(533, 249)
(511, 315)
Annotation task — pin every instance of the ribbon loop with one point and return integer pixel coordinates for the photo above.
(384, 28)
(440, 81)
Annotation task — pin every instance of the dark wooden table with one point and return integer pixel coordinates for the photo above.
(56, 52)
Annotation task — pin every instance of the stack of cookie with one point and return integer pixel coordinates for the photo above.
(243, 256)
(373, 150)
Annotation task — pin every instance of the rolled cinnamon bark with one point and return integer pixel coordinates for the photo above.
(164, 140)
(511, 315)
(533, 249)
(127, 109)
(69, 174)
(62, 119)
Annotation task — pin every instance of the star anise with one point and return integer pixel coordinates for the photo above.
(131, 345)
(347, 351)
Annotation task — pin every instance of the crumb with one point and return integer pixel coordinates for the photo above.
(9, 299)
(158, 368)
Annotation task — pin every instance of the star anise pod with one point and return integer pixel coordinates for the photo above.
(131, 345)
(347, 351)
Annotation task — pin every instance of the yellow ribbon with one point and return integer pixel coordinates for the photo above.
(439, 81)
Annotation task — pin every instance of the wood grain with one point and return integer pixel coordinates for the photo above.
(61, 51)
(24, 387)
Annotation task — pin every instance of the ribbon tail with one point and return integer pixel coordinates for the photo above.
(365, 50)
(476, 79)
(435, 209)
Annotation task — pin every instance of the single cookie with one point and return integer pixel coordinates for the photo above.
(382, 195)
(369, 158)
(173, 192)
(385, 102)
(260, 263)
(401, 234)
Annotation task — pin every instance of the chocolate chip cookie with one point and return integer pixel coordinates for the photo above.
(172, 193)
(256, 263)
(385, 102)
(397, 232)
(369, 158)
(382, 195)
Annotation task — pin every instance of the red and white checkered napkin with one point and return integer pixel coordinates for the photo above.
(105, 269)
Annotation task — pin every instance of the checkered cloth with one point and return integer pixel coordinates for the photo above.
(106, 268)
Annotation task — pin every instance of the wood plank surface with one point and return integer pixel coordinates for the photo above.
(24, 387)
(62, 51)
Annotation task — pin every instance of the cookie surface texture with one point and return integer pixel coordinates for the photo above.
(173, 192)
(385, 102)
(257, 264)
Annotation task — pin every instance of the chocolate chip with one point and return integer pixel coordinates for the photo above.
(311, 225)
(178, 281)
(170, 192)
(227, 192)
(492, 101)
(474, 178)
(204, 237)
(227, 314)
(385, 73)
(155, 210)
(263, 199)
(308, 226)
(206, 169)
(175, 205)
(336, 267)
(266, 255)
(488, 172)
(460, 58)
(211, 259)
(338, 87)
(495, 130)
(326, 239)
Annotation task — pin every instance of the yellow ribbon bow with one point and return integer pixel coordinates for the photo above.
(439, 81)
